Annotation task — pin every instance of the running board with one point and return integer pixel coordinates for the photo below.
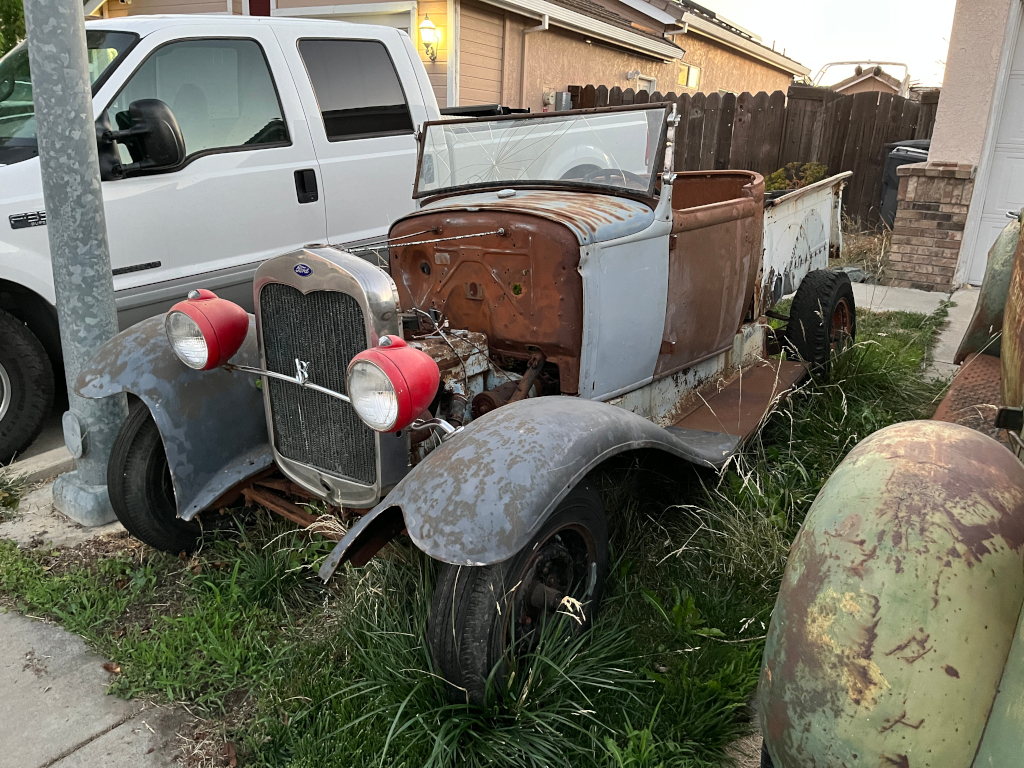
(738, 408)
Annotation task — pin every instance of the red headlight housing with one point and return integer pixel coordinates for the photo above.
(391, 384)
(205, 331)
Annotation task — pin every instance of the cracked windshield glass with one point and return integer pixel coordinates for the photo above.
(617, 149)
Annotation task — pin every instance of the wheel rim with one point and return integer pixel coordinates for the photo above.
(564, 565)
(842, 323)
(5, 392)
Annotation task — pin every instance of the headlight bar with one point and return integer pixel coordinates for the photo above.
(301, 378)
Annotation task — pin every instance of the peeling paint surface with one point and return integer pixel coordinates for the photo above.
(479, 497)
(593, 218)
(899, 604)
(212, 422)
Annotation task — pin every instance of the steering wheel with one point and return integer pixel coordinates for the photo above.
(607, 176)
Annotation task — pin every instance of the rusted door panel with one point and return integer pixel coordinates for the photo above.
(522, 288)
(899, 604)
(713, 259)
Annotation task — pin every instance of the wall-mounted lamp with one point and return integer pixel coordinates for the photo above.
(429, 36)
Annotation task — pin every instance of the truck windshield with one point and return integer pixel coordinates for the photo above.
(17, 114)
(619, 149)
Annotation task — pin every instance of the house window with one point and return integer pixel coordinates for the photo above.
(357, 88)
(689, 76)
(649, 84)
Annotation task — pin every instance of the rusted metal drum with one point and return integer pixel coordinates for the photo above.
(899, 606)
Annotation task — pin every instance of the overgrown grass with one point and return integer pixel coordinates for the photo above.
(11, 489)
(864, 248)
(303, 675)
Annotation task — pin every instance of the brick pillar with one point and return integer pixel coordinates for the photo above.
(929, 229)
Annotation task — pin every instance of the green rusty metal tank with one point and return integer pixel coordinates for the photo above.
(896, 639)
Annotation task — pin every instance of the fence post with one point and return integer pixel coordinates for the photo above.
(77, 233)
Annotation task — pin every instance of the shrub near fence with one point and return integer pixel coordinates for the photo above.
(764, 132)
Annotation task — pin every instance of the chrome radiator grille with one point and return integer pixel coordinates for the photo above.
(325, 329)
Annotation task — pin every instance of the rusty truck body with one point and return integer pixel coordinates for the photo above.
(577, 298)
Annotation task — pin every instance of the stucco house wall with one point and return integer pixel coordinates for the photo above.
(724, 69)
(938, 219)
(969, 85)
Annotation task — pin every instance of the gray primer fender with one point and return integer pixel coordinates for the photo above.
(212, 422)
(479, 497)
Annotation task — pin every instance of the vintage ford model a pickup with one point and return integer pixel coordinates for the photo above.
(560, 296)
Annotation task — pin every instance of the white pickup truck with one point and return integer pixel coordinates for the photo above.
(295, 132)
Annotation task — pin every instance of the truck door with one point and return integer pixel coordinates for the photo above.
(249, 188)
(367, 104)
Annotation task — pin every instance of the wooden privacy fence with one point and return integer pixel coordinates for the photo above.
(765, 132)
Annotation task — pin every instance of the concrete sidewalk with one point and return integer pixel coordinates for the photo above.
(881, 298)
(54, 712)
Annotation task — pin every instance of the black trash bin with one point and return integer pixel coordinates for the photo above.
(902, 153)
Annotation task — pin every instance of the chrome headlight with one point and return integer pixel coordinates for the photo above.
(186, 339)
(373, 395)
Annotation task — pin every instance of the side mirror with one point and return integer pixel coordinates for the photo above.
(153, 138)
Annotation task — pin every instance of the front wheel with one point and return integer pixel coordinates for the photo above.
(481, 616)
(139, 484)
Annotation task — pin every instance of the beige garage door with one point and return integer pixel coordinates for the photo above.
(481, 48)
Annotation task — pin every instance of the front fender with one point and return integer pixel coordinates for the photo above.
(212, 422)
(480, 497)
(893, 637)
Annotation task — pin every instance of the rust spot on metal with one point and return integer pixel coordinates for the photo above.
(901, 720)
(718, 223)
(951, 671)
(900, 761)
(974, 396)
(539, 256)
(919, 650)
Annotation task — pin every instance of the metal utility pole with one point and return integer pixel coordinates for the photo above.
(77, 231)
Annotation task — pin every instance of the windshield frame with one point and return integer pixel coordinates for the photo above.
(427, 196)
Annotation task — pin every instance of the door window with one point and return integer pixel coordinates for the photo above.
(356, 87)
(220, 91)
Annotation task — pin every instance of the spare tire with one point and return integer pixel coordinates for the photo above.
(26, 387)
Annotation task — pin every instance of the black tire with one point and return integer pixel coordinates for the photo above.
(823, 316)
(766, 759)
(26, 387)
(139, 484)
(471, 614)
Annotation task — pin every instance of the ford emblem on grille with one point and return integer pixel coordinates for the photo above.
(303, 270)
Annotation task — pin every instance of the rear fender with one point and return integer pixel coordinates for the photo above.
(212, 423)
(480, 497)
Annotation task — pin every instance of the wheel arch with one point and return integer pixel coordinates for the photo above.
(38, 314)
(480, 496)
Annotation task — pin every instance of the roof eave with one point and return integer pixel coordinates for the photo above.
(577, 22)
(704, 27)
